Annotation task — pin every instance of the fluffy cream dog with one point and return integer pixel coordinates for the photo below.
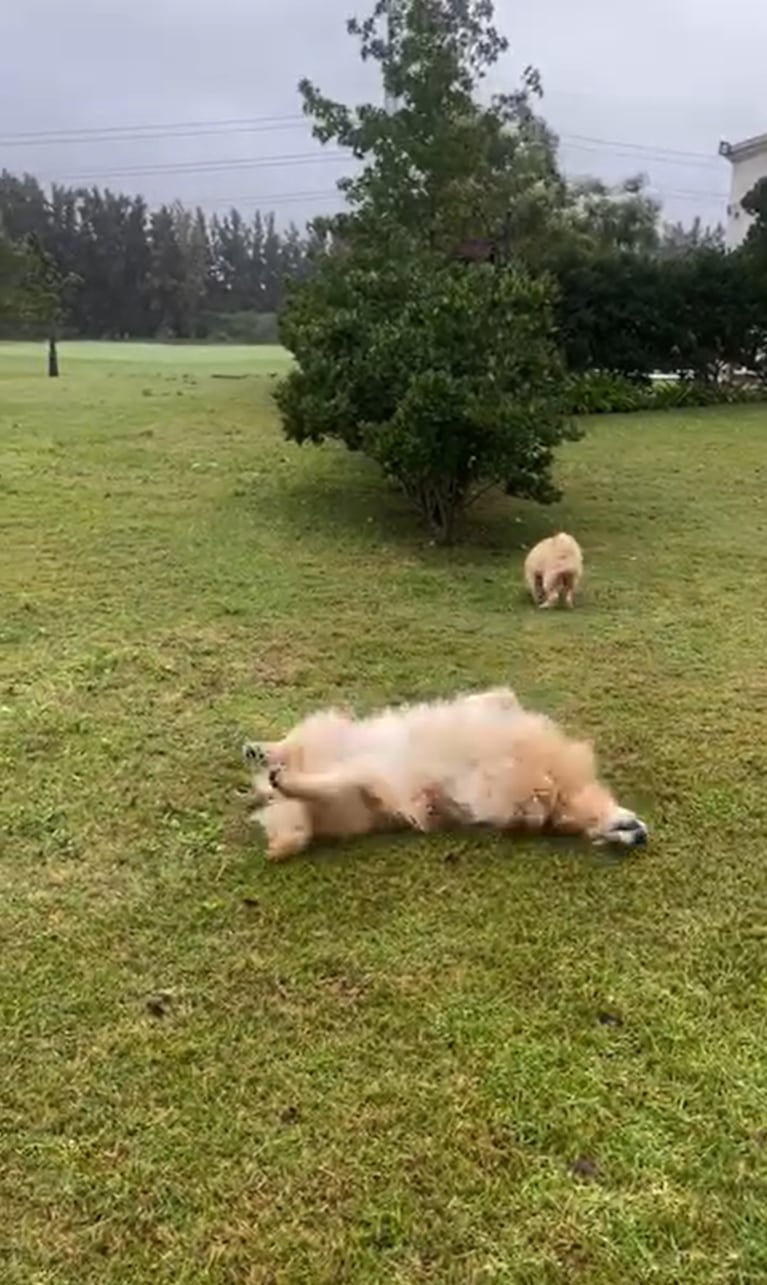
(553, 568)
(475, 760)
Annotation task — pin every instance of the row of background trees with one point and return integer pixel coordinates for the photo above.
(170, 272)
(174, 272)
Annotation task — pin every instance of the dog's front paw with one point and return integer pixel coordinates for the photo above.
(254, 755)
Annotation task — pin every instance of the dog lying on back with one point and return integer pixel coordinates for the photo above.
(553, 569)
(475, 760)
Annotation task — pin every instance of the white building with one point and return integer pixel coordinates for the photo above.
(749, 164)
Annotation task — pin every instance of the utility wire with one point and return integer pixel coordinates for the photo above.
(246, 124)
(116, 133)
(206, 167)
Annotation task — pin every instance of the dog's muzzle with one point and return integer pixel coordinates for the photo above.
(627, 830)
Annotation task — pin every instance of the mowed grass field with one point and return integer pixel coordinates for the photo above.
(457, 1059)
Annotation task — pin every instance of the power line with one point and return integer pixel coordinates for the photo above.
(222, 165)
(116, 133)
(158, 135)
(207, 167)
(280, 198)
(686, 196)
(587, 143)
(648, 157)
(258, 124)
(264, 200)
(643, 147)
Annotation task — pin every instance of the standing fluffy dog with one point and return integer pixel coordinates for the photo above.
(553, 568)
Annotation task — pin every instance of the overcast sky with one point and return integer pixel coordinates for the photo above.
(626, 84)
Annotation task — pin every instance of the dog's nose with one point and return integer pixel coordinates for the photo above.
(629, 831)
(634, 833)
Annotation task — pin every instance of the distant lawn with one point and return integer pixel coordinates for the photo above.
(17, 358)
(452, 1060)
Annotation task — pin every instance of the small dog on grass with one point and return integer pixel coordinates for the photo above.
(474, 760)
(553, 569)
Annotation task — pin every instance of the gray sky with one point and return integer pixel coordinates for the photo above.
(626, 84)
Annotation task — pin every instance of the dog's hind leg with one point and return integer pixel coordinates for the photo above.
(535, 585)
(287, 826)
(552, 587)
(325, 787)
(569, 586)
(313, 787)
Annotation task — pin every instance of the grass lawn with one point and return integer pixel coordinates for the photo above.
(464, 1059)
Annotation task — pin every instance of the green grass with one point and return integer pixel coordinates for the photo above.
(458, 1059)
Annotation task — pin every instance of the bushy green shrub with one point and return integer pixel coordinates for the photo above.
(448, 377)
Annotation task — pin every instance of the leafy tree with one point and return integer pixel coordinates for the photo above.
(613, 218)
(43, 295)
(12, 272)
(191, 236)
(166, 273)
(272, 266)
(232, 254)
(754, 248)
(23, 208)
(446, 374)
(677, 239)
(386, 367)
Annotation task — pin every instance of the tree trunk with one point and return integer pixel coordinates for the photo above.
(440, 507)
(53, 358)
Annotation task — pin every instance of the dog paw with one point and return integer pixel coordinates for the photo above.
(254, 755)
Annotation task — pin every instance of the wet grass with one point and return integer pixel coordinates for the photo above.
(450, 1059)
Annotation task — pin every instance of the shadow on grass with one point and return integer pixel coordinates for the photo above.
(335, 500)
(467, 850)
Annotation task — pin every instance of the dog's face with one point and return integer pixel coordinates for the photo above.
(594, 812)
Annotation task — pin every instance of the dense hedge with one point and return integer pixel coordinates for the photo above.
(604, 392)
(636, 315)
